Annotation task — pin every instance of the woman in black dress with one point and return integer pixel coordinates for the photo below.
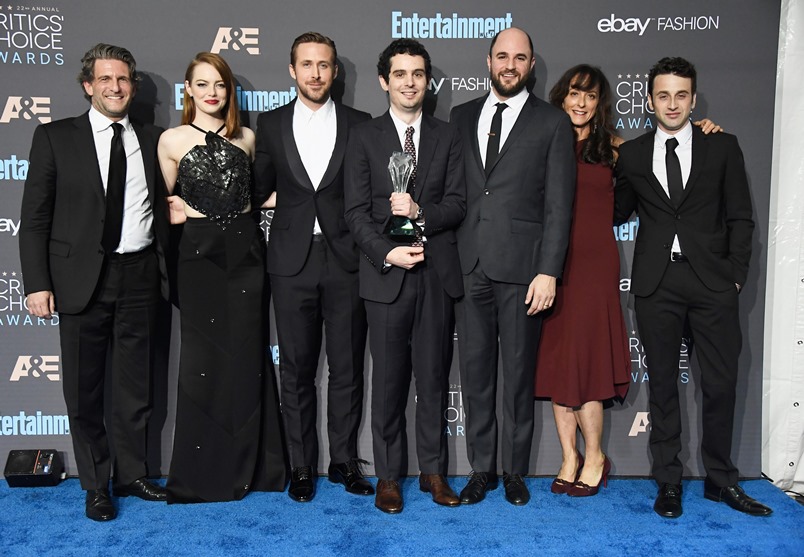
(227, 440)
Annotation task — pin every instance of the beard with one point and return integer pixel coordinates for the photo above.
(507, 90)
(319, 96)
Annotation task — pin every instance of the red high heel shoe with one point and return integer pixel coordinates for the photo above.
(580, 489)
(559, 486)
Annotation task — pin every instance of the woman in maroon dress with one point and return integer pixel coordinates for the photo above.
(583, 356)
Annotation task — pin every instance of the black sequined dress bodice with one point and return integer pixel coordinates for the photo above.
(215, 179)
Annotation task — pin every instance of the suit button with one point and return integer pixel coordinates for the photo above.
(486, 192)
(666, 246)
(678, 217)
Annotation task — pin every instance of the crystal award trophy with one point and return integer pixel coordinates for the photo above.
(401, 229)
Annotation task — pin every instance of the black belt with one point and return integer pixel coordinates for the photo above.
(129, 255)
(678, 257)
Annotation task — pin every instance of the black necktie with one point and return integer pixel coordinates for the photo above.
(675, 184)
(115, 192)
(493, 147)
(410, 149)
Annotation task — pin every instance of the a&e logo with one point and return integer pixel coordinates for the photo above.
(36, 367)
(232, 38)
(26, 108)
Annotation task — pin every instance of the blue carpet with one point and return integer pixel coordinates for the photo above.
(619, 521)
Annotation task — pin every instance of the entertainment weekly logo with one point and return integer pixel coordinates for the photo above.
(33, 109)
(36, 423)
(617, 24)
(438, 26)
(245, 39)
(31, 35)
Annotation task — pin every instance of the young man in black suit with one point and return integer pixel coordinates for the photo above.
(312, 261)
(409, 289)
(520, 184)
(690, 261)
(93, 226)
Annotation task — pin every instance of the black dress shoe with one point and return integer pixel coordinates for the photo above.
(143, 489)
(350, 475)
(99, 505)
(302, 487)
(479, 484)
(516, 492)
(668, 501)
(735, 497)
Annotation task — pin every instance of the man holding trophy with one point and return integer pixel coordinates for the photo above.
(404, 197)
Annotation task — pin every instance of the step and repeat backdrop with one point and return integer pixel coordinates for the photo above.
(734, 46)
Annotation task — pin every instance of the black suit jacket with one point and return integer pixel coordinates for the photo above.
(278, 167)
(714, 220)
(518, 219)
(440, 191)
(63, 208)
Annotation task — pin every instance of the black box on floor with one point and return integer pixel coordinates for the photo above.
(33, 468)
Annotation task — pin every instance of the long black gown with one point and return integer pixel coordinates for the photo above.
(228, 437)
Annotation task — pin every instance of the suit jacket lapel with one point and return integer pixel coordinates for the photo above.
(147, 147)
(474, 132)
(390, 144)
(338, 152)
(86, 154)
(699, 148)
(291, 151)
(427, 146)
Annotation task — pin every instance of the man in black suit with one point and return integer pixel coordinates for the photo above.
(312, 261)
(93, 223)
(520, 184)
(690, 262)
(409, 289)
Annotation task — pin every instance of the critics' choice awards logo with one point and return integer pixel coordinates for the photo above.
(34, 109)
(31, 35)
(13, 310)
(238, 39)
(36, 367)
(631, 110)
(639, 360)
(438, 26)
(616, 24)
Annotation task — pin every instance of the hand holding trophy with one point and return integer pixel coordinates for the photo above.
(401, 229)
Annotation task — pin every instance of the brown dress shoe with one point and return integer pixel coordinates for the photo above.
(437, 486)
(389, 497)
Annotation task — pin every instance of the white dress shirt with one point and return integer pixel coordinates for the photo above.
(138, 217)
(314, 132)
(402, 127)
(684, 153)
(509, 117)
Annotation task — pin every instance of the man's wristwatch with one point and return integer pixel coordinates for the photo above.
(420, 213)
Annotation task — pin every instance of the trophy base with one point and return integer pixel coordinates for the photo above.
(402, 230)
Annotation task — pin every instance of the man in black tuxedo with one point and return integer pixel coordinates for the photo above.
(690, 262)
(409, 289)
(93, 223)
(520, 184)
(312, 261)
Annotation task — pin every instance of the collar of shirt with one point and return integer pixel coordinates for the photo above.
(401, 127)
(101, 123)
(684, 137)
(303, 114)
(509, 117)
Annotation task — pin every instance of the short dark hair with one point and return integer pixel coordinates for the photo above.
(675, 66)
(403, 46)
(494, 40)
(103, 51)
(311, 37)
